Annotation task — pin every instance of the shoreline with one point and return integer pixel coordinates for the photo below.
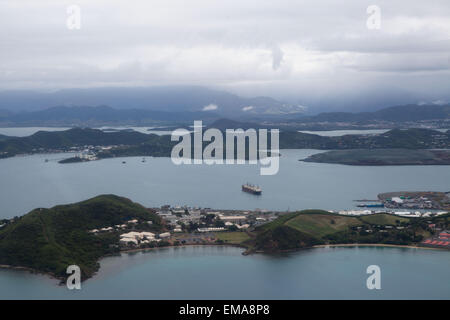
(32, 271)
(179, 246)
(376, 245)
(245, 252)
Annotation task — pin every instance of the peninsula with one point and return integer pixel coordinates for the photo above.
(49, 240)
(382, 157)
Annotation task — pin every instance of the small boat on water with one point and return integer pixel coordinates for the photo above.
(124, 162)
(249, 188)
(143, 159)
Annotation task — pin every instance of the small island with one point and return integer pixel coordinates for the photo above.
(75, 159)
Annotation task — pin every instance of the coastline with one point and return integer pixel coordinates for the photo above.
(32, 271)
(245, 252)
(375, 245)
(179, 246)
(62, 280)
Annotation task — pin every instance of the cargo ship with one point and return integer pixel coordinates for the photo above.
(251, 189)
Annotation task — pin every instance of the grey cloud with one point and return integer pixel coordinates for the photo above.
(320, 51)
(277, 57)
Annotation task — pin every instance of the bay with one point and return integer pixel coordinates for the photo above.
(28, 182)
(214, 272)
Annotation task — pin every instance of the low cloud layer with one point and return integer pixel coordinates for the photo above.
(305, 51)
(210, 107)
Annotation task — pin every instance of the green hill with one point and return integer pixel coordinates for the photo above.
(287, 232)
(64, 140)
(49, 240)
(129, 143)
(384, 219)
(312, 227)
(320, 224)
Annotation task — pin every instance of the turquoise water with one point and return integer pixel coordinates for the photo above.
(29, 182)
(224, 273)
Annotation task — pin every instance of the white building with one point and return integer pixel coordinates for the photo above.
(210, 229)
(233, 218)
(397, 200)
(164, 235)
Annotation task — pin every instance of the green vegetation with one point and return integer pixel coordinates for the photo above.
(383, 157)
(45, 141)
(49, 240)
(126, 143)
(288, 232)
(72, 160)
(393, 139)
(320, 225)
(312, 227)
(384, 219)
(233, 237)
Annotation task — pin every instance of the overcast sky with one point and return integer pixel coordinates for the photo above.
(299, 50)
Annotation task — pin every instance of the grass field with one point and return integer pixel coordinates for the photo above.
(319, 225)
(232, 237)
(383, 219)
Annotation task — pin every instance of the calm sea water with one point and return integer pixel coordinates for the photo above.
(224, 273)
(29, 182)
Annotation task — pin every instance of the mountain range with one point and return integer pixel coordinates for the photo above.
(158, 98)
(106, 115)
(87, 116)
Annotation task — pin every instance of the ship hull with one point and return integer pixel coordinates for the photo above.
(257, 193)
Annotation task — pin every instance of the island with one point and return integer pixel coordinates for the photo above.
(382, 157)
(49, 240)
(95, 143)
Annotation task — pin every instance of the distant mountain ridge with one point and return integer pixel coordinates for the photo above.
(158, 98)
(86, 116)
(107, 115)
